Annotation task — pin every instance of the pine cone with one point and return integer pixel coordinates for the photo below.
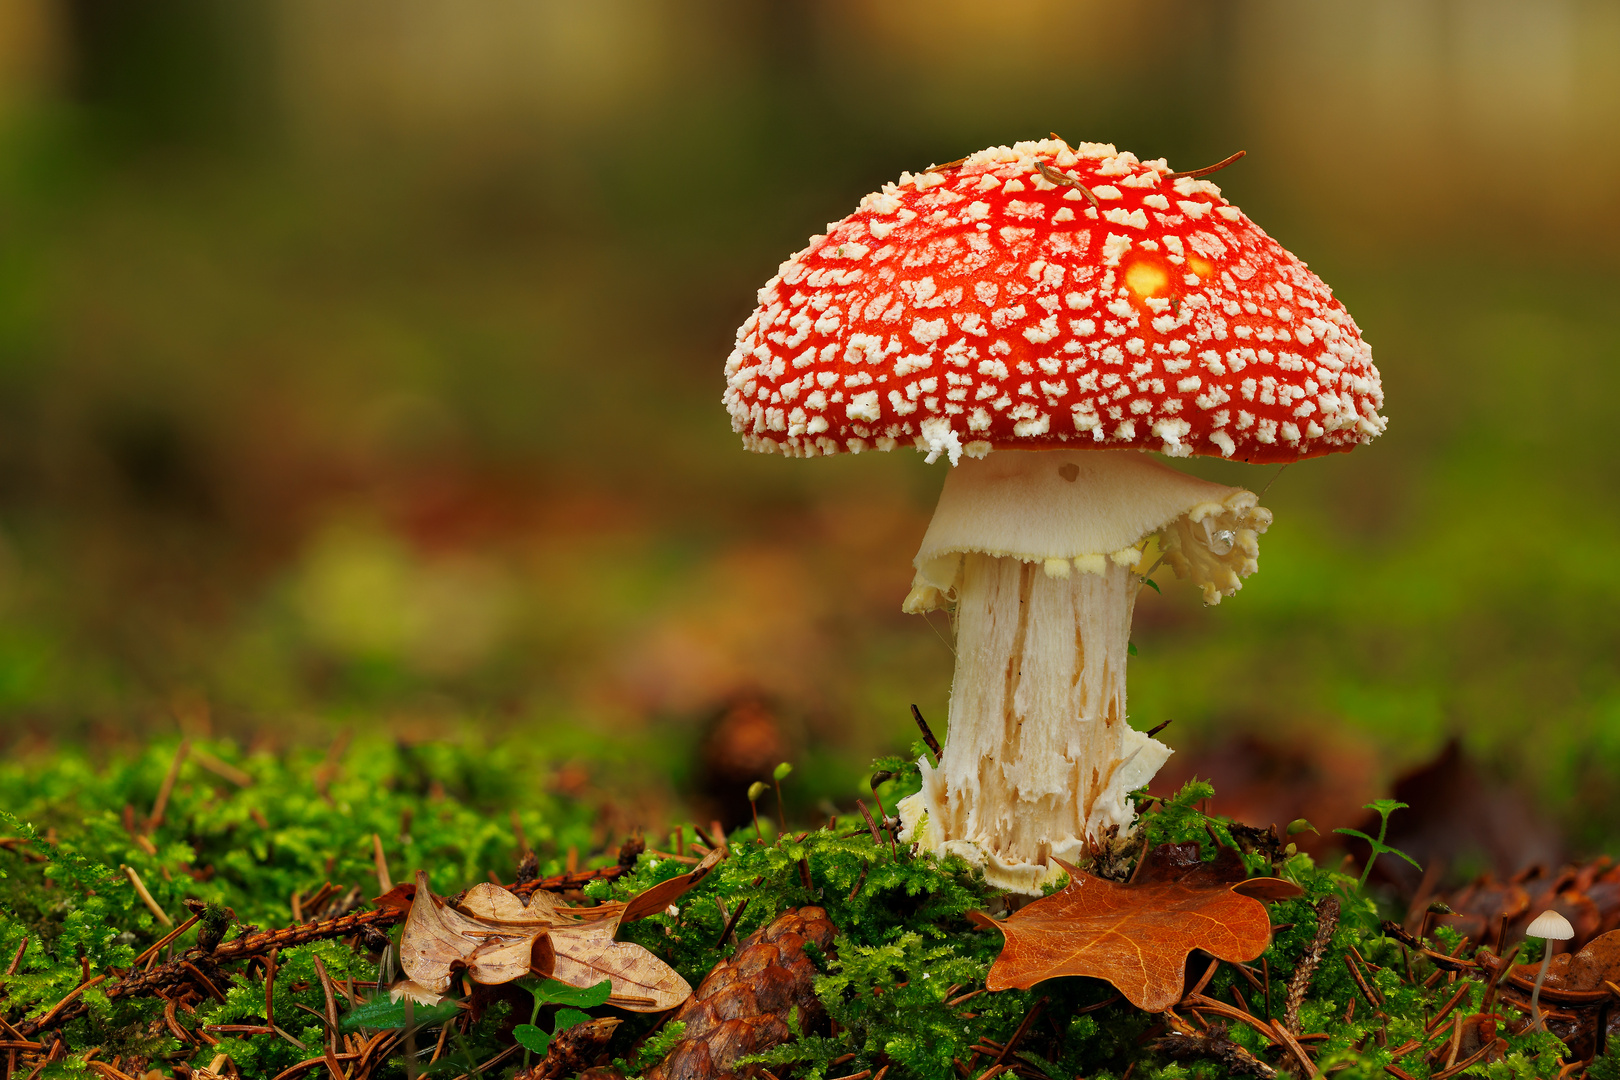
(742, 1005)
(573, 1050)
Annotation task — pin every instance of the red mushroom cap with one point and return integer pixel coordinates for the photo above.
(989, 305)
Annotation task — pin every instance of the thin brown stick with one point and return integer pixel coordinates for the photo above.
(1231, 1012)
(1207, 169)
(1405, 1048)
(15, 1034)
(384, 881)
(293, 1070)
(1243, 970)
(1055, 177)
(270, 987)
(1098, 1005)
(1273, 1031)
(161, 803)
(221, 769)
(331, 998)
(56, 1010)
(494, 1061)
(1209, 973)
(518, 834)
(1141, 859)
(878, 779)
(927, 734)
(859, 881)
(1463, 1065)
(1366, 991)
(1297, 1050)
(870, 824)
(22, 947)
(203, 980)
(173, 1022)
(164, 941)
(1445, 1010)
(731, 923)
(1022, 1029)
(146, 898)
(1506, 968)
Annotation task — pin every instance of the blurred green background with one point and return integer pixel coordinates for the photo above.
(360, 368)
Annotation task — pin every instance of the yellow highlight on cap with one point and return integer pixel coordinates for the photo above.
(1201, 267)
(1146, 278)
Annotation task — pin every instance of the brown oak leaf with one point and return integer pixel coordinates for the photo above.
(1136, 937)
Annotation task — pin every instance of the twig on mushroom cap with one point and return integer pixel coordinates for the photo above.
(1207, 169)
(1056, 177)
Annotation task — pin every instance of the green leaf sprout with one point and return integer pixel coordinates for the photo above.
(1384, 808)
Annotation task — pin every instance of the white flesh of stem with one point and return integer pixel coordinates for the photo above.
(1039, 756)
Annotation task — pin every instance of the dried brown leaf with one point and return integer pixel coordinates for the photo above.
(399, 897)
(1598, 962)
(1269, 889)
(438, 938)
(497, 938)
(495, 906)
(652, 901)
(641, 982)
(1136, 937)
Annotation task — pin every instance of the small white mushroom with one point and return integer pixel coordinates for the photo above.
(1549, 926)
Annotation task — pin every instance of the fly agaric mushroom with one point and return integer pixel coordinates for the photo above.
(1067, 308)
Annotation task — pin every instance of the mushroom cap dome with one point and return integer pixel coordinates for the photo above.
(989, 305)
(1550, 925)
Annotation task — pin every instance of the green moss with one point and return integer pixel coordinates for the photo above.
(898, 985)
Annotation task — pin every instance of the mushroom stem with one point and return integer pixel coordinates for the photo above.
(1535, 994)
(1037, 552)
(1037, 712)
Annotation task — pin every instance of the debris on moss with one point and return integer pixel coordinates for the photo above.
(901, 986)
